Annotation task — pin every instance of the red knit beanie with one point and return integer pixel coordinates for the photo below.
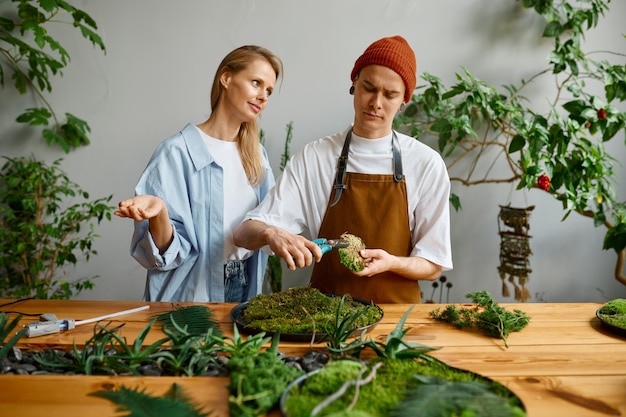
(395, 53)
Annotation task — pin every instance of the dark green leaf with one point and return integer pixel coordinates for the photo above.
(552, 30)
(517, 143)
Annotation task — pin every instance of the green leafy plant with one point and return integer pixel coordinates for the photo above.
(258, 377)
(341, 329)
(6, 328)
(195, 319)
(93, 359)
(30, 56)
(561, 151)
(42, 229)
(391, 384)
(487, 316)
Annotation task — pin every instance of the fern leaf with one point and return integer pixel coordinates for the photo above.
(436, 397)
(198, 319)
(136, 403)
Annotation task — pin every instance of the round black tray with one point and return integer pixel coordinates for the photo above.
(613, 328)
(237, 311)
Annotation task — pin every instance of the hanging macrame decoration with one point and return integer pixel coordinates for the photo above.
(513, 228)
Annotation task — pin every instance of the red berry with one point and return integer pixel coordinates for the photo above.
(602, 114)
(543, 182)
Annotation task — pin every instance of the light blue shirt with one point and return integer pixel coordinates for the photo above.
(184, 174)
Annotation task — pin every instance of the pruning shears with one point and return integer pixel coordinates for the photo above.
(326, 245)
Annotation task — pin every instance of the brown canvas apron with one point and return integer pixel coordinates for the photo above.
(375, 208)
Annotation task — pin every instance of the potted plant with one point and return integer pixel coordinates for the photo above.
(41, 227)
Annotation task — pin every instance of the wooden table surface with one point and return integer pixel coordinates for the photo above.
(564, 363)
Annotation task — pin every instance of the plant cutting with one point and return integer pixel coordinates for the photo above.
(486, 316)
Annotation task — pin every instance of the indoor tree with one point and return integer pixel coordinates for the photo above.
(42, 228)
(561, 151)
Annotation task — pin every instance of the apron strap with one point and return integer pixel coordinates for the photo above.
(342, 165)
(397, 158)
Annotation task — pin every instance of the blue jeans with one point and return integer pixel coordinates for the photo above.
(235, 282)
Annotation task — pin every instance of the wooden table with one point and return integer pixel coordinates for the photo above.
(564, 363)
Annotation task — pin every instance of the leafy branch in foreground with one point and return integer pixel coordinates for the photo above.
(30, 56)
(486, 315)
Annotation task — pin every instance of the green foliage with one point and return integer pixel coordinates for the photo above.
(342, 328)
(41, 231)
(303, 310)
(6, 328)
(136, 403)
(286, 152)
(437, 397)
(394, 347)
(613, 312)
(394, 390)
(179, 353)
(478, 123)
(30, 56)
(258, 378)
(195, 319)
(487, 316)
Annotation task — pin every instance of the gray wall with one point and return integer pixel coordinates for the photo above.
(156, 76)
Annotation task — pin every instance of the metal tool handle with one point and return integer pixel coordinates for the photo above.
(325, 247)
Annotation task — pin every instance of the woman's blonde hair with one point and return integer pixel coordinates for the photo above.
(249, 143)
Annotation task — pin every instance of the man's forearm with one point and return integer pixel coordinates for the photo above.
(249, 235)
(417, 268)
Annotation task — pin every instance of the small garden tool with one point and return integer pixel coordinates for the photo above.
(326, 245)
(50, 324)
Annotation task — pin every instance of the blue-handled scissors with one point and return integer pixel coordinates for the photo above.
(326, 245)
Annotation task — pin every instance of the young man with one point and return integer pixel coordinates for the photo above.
(375, 183)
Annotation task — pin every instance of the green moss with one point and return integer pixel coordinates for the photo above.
(297, 309)
(614, 312)
(383, 393)
(350, 257)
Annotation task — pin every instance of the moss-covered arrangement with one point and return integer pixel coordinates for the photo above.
(303, 310)
(614, 313)
(399, 387)
(350, 257)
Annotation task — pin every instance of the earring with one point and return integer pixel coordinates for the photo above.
(402, 106)
(352, 90)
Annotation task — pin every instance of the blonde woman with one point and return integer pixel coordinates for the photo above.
(198, 186)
